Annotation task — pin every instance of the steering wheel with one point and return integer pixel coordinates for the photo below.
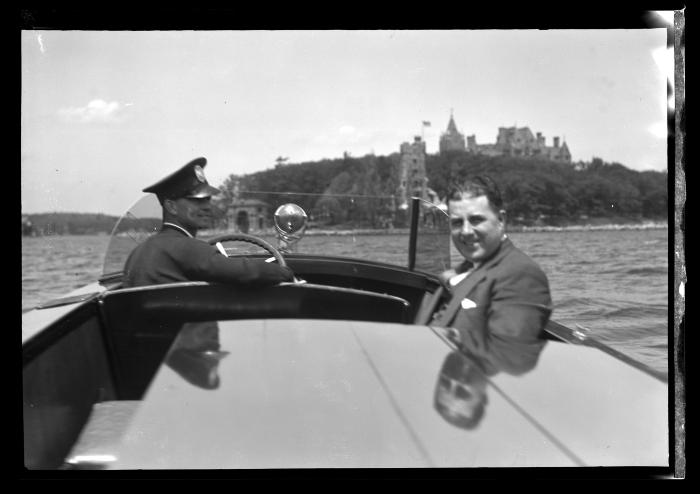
(243, 237)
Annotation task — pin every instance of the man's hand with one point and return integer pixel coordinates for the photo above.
(287, 274)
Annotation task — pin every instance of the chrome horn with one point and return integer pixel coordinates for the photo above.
(290, 223)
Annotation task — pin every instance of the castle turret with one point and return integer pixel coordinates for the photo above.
(452, 139)
(452, 126)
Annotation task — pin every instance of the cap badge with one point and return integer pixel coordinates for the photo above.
(199, 173)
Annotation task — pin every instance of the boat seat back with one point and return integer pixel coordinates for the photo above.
(202, 301)
(143, 322)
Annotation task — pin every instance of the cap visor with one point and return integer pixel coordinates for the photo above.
(204, 190)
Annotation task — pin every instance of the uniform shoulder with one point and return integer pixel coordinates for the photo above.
(173, 241)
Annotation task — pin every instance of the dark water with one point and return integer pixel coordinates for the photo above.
(613, 284)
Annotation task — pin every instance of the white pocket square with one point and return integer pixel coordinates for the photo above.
(468, 304)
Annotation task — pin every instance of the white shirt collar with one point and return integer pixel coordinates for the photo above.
(179, 228)
(459, 277)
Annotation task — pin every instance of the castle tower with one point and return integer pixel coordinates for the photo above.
(452, 139)
(412, 179)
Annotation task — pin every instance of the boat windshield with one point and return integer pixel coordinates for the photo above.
(370, 228)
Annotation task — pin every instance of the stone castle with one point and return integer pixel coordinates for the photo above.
(511, 141)
(250, 214)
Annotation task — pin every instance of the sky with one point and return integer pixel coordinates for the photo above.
(106, 113)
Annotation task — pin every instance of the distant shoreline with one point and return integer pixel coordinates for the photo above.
(650, 225)
(513, 229)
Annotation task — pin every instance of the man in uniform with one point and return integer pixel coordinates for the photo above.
(174, 254)
(500, 297)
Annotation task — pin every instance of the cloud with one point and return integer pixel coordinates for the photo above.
(343, 136)
(350, 138)
(96, 110)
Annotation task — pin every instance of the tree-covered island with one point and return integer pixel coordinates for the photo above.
(536, 191)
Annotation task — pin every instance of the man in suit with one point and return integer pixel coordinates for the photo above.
(174, 254)
(500, 297)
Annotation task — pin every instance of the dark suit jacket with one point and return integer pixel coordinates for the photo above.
(500, 311)
(171, 256)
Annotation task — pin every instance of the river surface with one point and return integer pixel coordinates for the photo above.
(613, 284)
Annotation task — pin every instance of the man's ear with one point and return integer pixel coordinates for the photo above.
(502, 216)
(170, 206)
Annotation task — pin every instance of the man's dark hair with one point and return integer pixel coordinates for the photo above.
(480, 185)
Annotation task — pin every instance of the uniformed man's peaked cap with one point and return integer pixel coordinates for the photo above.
(188, 181)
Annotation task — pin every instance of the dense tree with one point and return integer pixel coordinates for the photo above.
(537, 189)
(533, 190)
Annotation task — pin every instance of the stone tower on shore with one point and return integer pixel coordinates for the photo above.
(412, 178)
